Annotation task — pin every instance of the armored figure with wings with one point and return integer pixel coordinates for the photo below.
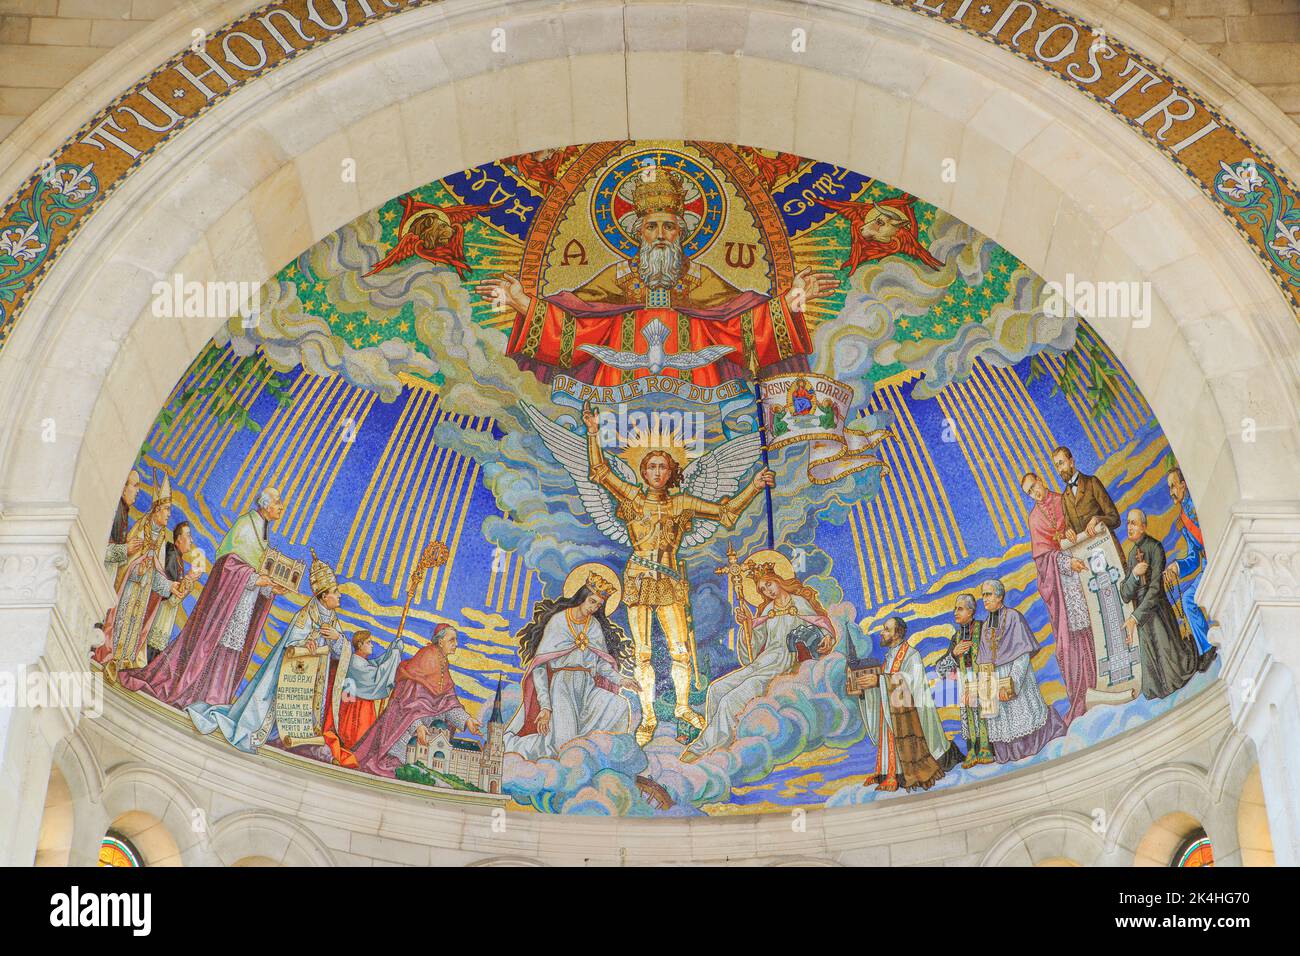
(671, 507)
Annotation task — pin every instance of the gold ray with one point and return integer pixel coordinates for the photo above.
(376, 481)
(171, 443)
(399, 556)
(481, 425)
(332, 460)
(396, 512)
(902, 450)
(231, 431)
(1015, 445)
(300, 464)
(267, 440)
(401, 458)
(949, 402)
(934, 482)
(367, 403)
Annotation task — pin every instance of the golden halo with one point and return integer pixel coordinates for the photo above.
(578, 577)
(783, 568)
(635, 454)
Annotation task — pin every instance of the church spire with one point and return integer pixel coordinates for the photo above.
(496, 705)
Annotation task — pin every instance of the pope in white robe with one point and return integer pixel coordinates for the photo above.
(571, 682)
(249, 722)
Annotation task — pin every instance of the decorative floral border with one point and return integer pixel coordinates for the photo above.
(44, 215)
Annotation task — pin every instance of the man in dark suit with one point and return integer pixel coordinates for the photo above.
(1085, 500)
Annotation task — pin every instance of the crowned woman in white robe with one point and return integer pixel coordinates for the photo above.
(573, 657)
(776, 634)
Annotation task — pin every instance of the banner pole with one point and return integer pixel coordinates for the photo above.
(762, 437)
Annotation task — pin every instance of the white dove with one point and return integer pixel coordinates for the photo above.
(655, 358)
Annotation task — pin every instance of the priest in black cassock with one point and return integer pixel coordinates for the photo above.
(1168, 660)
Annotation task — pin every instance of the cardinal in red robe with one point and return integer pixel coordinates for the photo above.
(424, 693)
(882, 229)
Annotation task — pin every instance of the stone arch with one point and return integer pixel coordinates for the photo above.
(157, 814)
(81, 771)
(1252, 823)
(507, 861)
(1166, 805)
(150, 837)
(254, 834)
(54, 845)
(1046, 840)
(1161, 841)
(277, 150)
(801, 861)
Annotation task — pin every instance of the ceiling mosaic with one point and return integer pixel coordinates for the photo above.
(657, 478)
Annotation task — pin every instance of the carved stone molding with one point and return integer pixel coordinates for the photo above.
(52, 584)
(1273, 569)
(29, 577)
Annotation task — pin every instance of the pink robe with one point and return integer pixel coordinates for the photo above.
(1076, 656)
(424, 690)
(195, 666)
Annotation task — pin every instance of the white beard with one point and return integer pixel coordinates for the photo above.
(660, 266)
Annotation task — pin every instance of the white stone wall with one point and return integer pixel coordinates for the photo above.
(45, 44)
(1062, 184)
(219, 806)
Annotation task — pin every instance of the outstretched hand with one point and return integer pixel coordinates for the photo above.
(503, 291)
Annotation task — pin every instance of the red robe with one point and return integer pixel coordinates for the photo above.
(356, 716)
(611, 311)
(424, 689)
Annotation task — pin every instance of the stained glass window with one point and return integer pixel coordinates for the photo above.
(116, 850)
(1197, 851)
